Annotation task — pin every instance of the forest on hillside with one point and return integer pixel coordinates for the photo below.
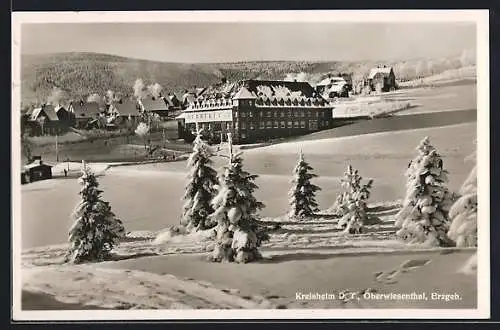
(79, 75)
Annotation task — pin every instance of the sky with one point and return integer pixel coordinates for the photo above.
(232, 42)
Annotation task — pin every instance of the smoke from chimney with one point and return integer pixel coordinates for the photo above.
(139, 89)
(94, 98)
(155, 90)
(56, 96)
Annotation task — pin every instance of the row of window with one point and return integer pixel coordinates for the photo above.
(311, 124)
(282, 114)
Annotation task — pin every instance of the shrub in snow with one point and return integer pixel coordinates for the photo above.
(424, 215)
(351, 204)
(303, 193)
(463, 213)
(96, 229)
(239, 233)
(142, 131)
(201, 187)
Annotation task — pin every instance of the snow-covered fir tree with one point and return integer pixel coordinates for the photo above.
(424, 215)
(96, 229)
(236, 210)
(463, 213)
(351, 204)
(201, 187)
(303, 193)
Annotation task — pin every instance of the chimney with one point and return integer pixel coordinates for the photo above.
(329, 75)
(223, 80)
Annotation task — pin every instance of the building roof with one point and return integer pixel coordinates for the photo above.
(150, 104)
(128, 107)
(331, 80)
(85, 109)
(244, 94)
(385, 71)
(46, 109)
(35, 163)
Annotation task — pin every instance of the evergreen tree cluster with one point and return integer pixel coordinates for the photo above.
(95, 229)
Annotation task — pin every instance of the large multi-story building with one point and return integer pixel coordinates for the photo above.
(256, 110)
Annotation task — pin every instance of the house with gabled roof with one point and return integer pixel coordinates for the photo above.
(382, 79)
(44, 120)
(127, 112)
(84, 112)
(162, 106)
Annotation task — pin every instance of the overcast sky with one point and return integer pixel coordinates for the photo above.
(229, 42)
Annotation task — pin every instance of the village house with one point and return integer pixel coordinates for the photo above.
(36, 171)
(84, 112)
(256, 110)
(44, 120)
(335, 86)
(382, 79)
(125, 113)
(162, 106)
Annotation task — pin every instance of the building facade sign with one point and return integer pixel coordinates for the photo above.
(208, 116)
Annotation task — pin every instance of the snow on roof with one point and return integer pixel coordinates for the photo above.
(48, 110)
(154, 104)
(243, 93)
(330, 80)
(385, 71)
(36, 163)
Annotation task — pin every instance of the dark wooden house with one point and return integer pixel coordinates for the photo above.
(382, 79)
(256, 110)
(36, 171)
(44, 120)
(84, 112)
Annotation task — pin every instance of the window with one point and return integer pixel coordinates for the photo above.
(243, 115)
(269, 124)
(308, 113)
(302, 124)
(282, 124)
(295, 124)
(228, 125)
(243, 126)
(250, 114)
(262, 125)
(236, 114)
(290, 124)
(243, 136)
(313, 125)
(250, 103)
(252, 126)
(261, 114)
(276, 114)
(302, 113)
(268, 114)
(276, 124)
(282, 114)
(317, 114)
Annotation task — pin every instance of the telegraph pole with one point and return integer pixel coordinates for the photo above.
(57, 150)
(230, 143)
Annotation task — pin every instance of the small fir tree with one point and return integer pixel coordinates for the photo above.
(463, 213)
(351, 204)
(96, 230)
(201, 187)
(424, 215)
(239, 233)
(303, 193)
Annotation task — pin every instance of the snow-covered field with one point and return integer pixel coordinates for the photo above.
(155, 268)
(313, 256)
